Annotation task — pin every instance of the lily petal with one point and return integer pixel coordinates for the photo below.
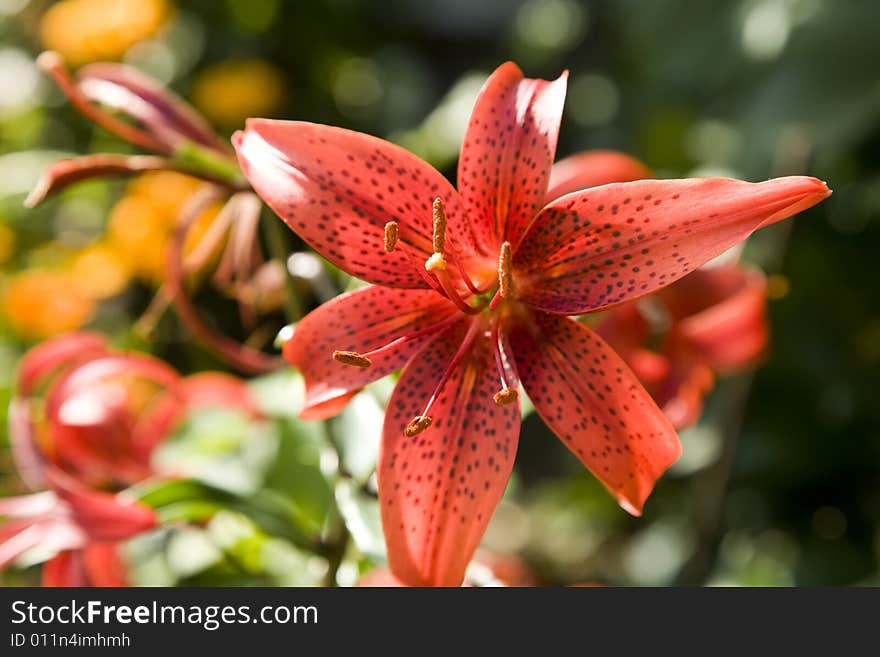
(48, 357)
(18, 537)
(360, 321)
(439, 489)
(680, 394)
(105, 564)
(65, 569)
(337, 189)
(28, 506)
(721, 313)
(166, 115)
(91, 410)
(64, 173)
(104, 517)
(28, 458)
(605, 245)
(592, 169)
(590, 399)
(507, 153)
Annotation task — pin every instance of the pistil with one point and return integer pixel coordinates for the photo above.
(506, 395)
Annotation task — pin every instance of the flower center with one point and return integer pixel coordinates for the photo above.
(436, 272)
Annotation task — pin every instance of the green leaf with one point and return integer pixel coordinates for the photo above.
(296, 473)
(222, 447)
(362, 519)
(357, 432)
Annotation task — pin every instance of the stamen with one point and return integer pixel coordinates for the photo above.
(439, 220)
(351, 358)
(505, 272)
(421, 422)
(417, 425)
(464, 276)
(452, 294)
(390, 236)
(428, 330)
(505, 396)
(430, 280)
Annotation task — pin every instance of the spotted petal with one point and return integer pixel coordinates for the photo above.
(590, 399)
(592, 169)
(337, 189)
(507, 153)
(609, 244)
(439, 489)
(360, 321)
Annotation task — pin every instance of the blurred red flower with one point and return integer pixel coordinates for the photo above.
(713, 321)
(84, 423)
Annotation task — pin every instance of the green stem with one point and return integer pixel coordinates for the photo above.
(209, 164)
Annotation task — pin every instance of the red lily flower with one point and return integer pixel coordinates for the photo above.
(717, 322)
(87, 417)
(470, 292)
(89, 422)
(104, 412)
(81, 526)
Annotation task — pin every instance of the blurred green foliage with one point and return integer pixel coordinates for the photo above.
(780, 482)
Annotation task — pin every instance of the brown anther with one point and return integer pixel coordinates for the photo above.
(418, 424)
(505, 272)
(390, 236)
(505, 397)
(436, 263)
(351, 358)
(439, 220)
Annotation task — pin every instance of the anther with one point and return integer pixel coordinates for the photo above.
(351, 358)
(505, 272)
(418, 424)
(390, 236)
(439, 221)
(505, 397)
